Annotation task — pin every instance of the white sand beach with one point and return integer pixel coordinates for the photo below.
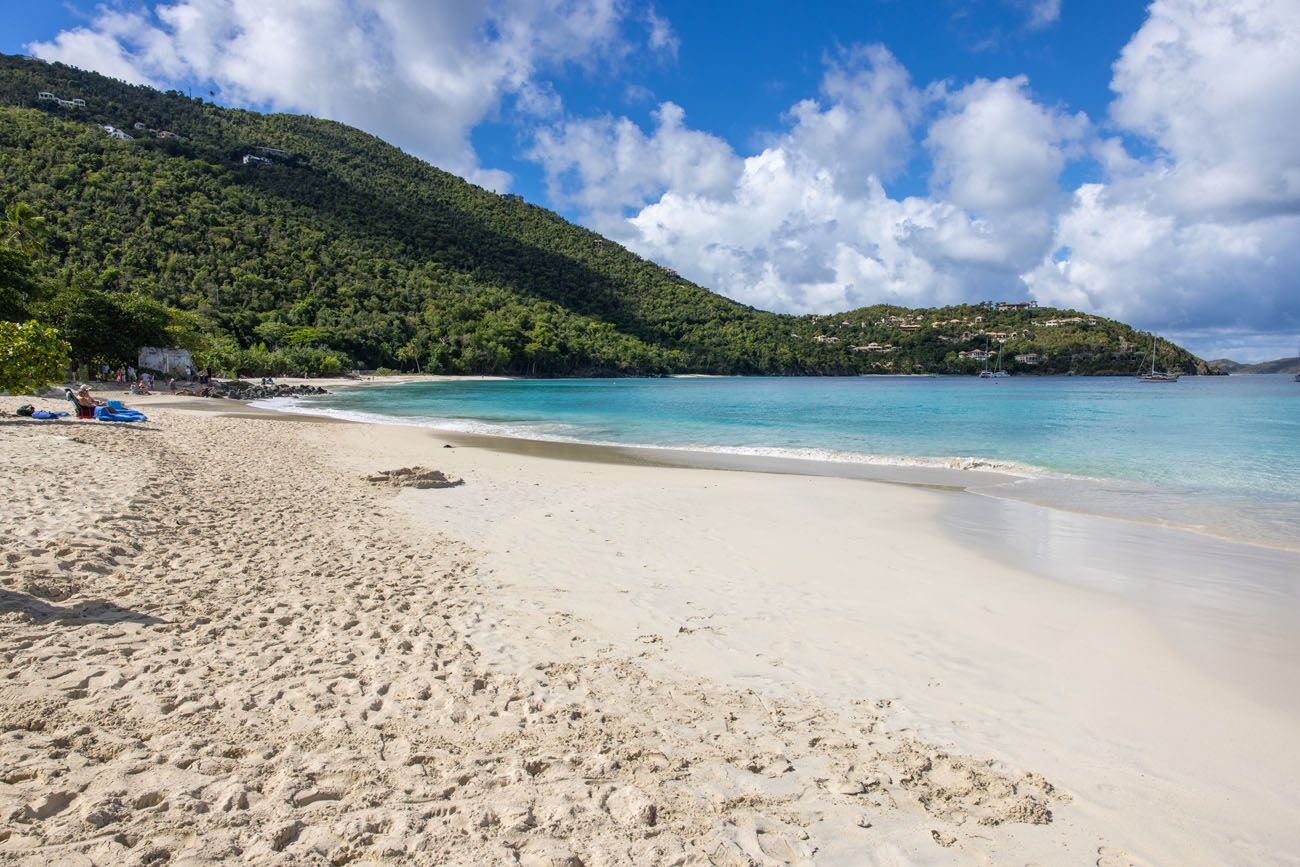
(220, 642)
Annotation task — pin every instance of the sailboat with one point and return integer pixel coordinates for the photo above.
(1155, 375)
(993, 374)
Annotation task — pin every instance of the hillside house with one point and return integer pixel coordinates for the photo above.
(114, 132)
(826, 338)
(1016, 305)
(1029, 358)
(46, 96)
(254, 160)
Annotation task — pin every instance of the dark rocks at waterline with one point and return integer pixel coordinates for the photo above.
(241, 390)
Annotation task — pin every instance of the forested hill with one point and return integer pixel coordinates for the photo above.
(293, 240)
(1277, 365)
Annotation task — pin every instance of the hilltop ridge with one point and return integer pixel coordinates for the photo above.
(290, 234)
(1277, 365)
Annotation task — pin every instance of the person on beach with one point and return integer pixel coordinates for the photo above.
(171, 383)
(86, 403)
(85, 398)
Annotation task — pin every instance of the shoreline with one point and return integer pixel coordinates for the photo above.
(965, 488)
(996, 483)
(993, 478)
(788, 668)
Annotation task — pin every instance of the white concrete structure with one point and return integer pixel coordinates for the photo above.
(168, 362)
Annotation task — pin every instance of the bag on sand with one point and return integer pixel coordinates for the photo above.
(26, 409)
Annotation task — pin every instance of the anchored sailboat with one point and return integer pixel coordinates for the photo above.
(1156, 375)
(993, 374)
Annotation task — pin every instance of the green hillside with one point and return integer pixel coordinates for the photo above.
(282, 240)
(1277, 365)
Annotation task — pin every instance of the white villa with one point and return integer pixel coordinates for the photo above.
(46, 96)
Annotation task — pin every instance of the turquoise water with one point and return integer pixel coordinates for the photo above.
(1206, 452)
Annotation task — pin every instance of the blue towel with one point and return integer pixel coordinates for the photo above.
(115, 405)
(40, 413)
(104, 413)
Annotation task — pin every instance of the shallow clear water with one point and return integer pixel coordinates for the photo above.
(1216, 453)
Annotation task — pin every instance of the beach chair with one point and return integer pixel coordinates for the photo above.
(78, 410)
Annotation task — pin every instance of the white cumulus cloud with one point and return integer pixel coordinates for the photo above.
(1192, 226)
(806, 223)
(997, 150)
(1195, 233)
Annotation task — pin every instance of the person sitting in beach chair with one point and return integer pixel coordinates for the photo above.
(82, 400)
(100, 410)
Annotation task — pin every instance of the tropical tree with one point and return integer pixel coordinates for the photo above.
(24, 229)
(31, 356)
(106, 326)
(17, 284)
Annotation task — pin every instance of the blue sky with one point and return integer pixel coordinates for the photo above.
(1126, 158)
